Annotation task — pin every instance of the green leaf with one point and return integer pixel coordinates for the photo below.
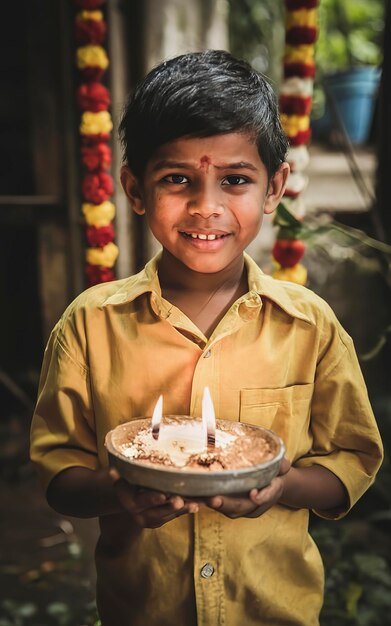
(284, 217)
(352, 595)
(26, 610)
(74, 549)
(55, 609)
(373, 567)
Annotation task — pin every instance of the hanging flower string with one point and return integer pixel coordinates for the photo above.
(295, 106)
(93, 100)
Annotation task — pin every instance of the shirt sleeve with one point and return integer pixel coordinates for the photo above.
(62, 431)
(346, 438)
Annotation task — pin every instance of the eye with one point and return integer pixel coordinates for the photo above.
(234, 180)
(175, 179)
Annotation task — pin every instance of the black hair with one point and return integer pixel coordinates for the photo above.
(201, 94)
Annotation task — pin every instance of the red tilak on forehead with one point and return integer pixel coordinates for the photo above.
(205, 161)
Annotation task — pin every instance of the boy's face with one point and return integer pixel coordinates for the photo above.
(204, 198)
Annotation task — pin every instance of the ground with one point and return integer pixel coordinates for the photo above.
(46, 569)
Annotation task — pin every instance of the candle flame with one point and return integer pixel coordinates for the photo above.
(157, 417)
(209, 418)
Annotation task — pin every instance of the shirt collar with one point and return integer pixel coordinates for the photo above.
(147, 281)
(272, 289)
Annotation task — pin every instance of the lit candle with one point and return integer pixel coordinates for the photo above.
(178, 438)
(157, 418)
(209, 418)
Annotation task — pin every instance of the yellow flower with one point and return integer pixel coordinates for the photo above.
(302, 17)
(98, 214)
(293, 124)
(94, 56)
(96, 123)
(299, 54)
(97, 16)
(296, 274)
(106, 257)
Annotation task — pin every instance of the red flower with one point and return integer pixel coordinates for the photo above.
(303, 70)
(92, 140)
(90, 32)
(97, 274)
(93, 73)
(97, 187)
(99, 237)
(294, 5)
(295, 105)
(93, 97)
(288, 252)
(290, 193)
(302, 137)
(89, 4)
(298, 35)
(96, 157)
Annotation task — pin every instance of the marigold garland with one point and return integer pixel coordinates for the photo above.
(96, 157)
(89, 30)
(89, 4)
(99, 237)
(93, 100)
(93, 97)
(105, 256)
(97, 187)
(295, 105)
(98, 214)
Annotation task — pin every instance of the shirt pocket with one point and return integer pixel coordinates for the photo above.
(285, 410)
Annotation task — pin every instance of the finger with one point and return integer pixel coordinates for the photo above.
(145, 500)
(258, 511)
(154, 518)
(269, 494)
(114, 474)
(265, 498)
(231, 506)
(136, 501)
(216, 502)
(284, 467)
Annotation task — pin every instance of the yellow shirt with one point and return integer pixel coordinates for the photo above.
(280, 359)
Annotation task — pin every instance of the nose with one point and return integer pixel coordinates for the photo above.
(206, 202)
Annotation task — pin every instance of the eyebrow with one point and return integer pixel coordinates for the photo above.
(161, 165)
(167, 164)
(241, 165)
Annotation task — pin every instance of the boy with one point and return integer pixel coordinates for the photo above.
(204, 159)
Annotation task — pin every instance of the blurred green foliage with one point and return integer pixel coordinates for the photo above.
(357, 551)
(257, 34)
(350, 34)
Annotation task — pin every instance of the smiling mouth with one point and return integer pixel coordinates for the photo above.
(203, 236)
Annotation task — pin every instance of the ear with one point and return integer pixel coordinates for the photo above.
(276, 188)
(132, 189)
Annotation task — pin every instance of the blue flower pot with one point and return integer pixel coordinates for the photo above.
(354, 93)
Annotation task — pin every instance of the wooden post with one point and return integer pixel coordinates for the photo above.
(173, 27)
(119, 87)
(384, 131)
(71, 154)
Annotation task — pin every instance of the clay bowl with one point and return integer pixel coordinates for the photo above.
(184, 482)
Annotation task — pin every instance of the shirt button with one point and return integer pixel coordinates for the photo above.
(208, 354)
(207, 570)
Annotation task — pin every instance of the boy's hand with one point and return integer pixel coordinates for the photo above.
(149, 509)
(256, 502)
